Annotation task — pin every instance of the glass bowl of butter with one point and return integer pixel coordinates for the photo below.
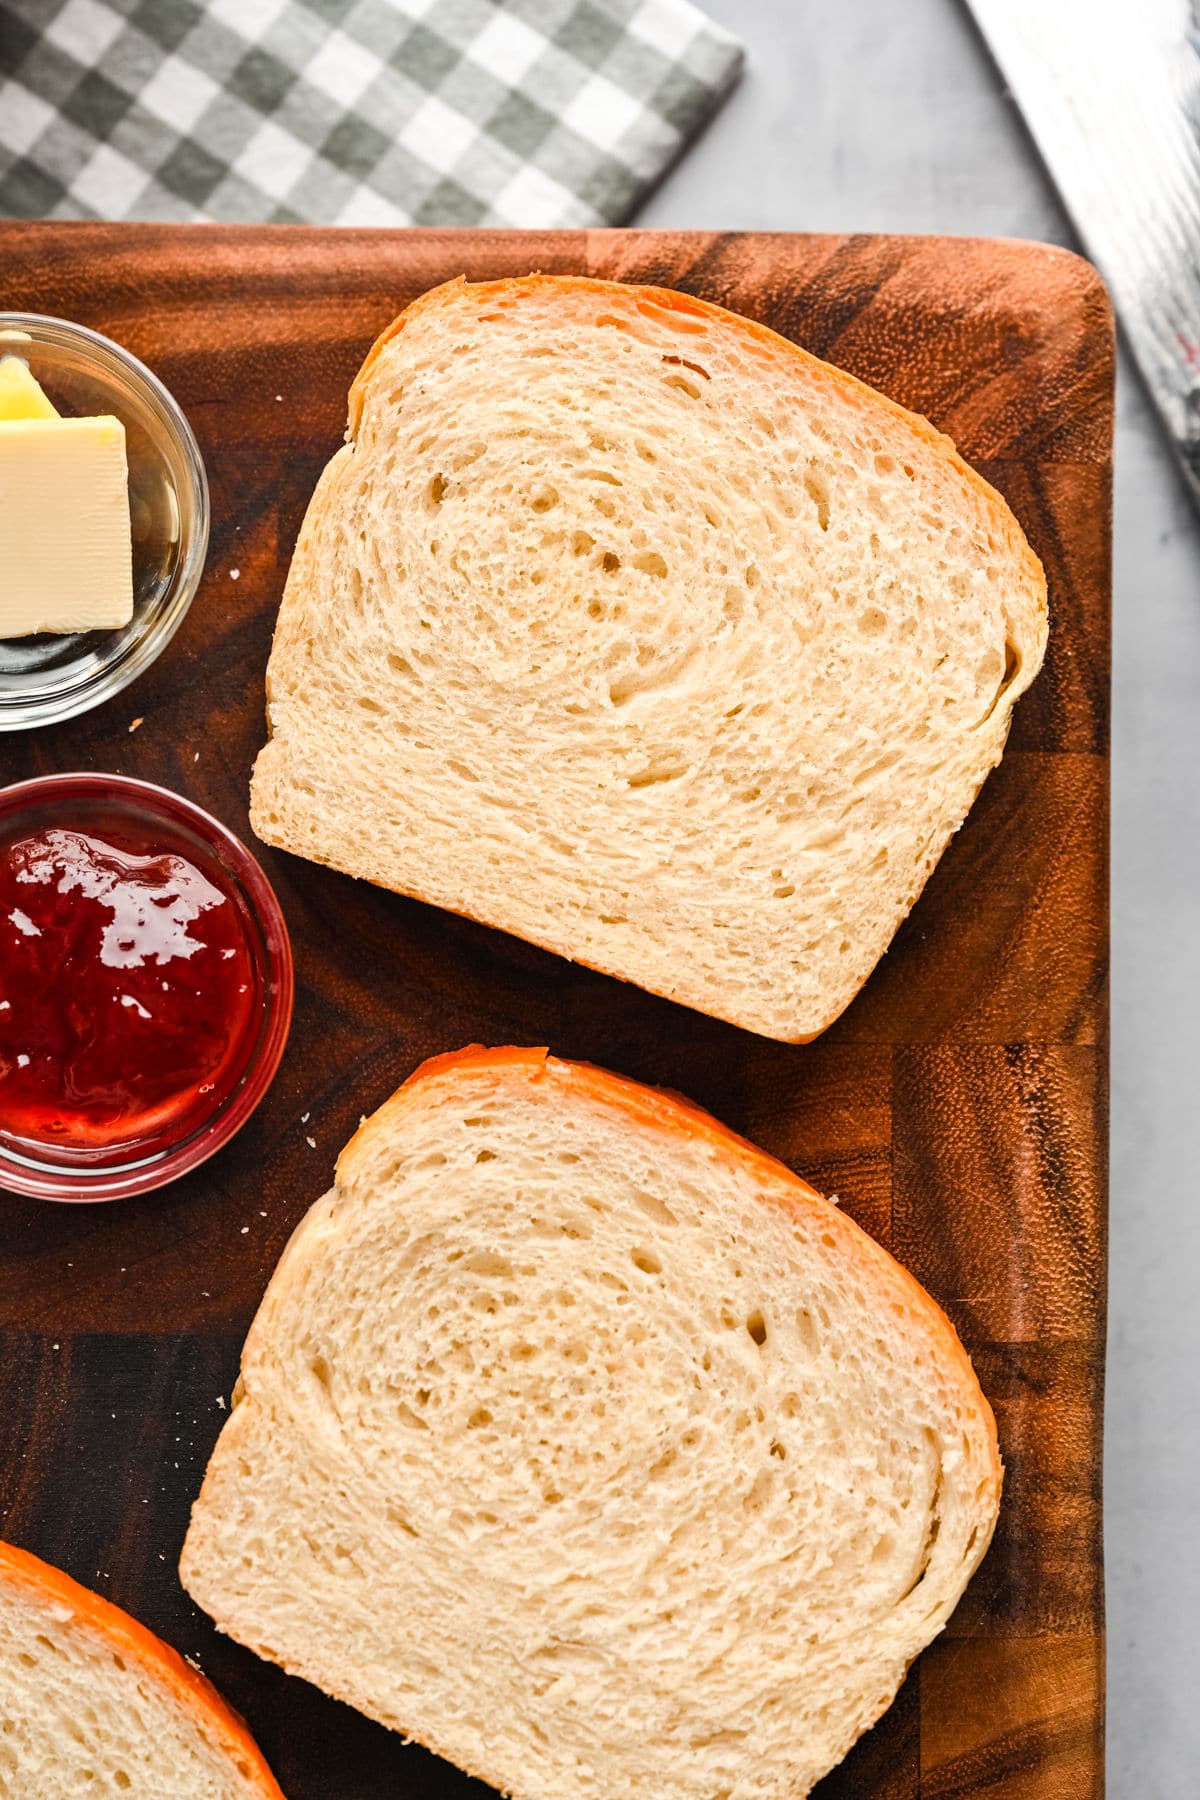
(103, 519)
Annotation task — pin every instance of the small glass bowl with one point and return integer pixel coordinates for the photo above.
(82, 802)
(49, 677)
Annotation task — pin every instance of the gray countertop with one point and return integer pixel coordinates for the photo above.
(865, 115)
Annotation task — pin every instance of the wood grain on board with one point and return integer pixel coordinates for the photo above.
(957, 1109)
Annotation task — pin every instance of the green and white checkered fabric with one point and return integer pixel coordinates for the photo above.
(351, 112)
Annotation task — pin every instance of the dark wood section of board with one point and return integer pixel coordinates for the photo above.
(957, 1109)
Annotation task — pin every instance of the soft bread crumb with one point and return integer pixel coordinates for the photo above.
(584, 1443)
(91, 1705)
(628, 627)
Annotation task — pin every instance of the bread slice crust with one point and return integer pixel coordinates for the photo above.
(117, 1633)
(487, 1080)
(815, 858)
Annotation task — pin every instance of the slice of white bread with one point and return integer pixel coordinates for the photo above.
(582, 1441)
(93, 1704)
(625, 625)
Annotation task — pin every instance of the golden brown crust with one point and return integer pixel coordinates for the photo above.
(646, 1105)
(121, 1632)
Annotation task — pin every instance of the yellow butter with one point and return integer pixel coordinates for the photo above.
(66, 560)
(21, 396)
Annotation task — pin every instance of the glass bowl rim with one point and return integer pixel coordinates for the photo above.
(47, 1180)
(54, 704)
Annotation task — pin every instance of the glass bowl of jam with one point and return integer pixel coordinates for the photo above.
(145, 986)
(51, 676)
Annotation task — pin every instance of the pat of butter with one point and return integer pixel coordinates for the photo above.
(66, 560)
(21, 396)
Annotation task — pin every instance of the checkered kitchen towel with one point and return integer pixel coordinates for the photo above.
(351, 112)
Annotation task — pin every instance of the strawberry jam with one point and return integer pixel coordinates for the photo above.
(129, 991)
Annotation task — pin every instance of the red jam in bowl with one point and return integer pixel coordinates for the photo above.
(127, 987)
(145, 986)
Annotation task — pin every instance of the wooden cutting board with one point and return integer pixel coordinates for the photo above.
(957, 1109)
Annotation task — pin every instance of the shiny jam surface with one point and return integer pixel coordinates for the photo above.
(128, 987)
